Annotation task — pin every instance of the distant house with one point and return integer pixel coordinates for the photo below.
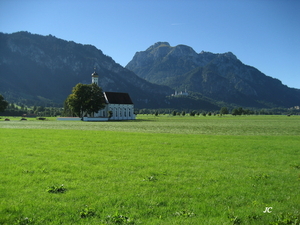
(118, 106)
(185, 93)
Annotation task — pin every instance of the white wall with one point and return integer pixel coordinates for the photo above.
(119, 112)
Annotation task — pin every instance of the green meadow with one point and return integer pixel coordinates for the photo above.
(154, 170)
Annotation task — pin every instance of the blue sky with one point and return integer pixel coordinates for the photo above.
(262, 33)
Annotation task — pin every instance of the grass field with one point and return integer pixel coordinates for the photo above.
(154, 170)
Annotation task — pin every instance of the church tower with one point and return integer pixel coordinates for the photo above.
(95, 78)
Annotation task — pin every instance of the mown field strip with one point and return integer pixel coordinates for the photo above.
(214, 125)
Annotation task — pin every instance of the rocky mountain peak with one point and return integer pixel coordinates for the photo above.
(230, 56)
(183, 51)
(220, 76)
(157, 45)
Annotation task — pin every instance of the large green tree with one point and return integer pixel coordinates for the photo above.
(3, 104)
(85, 99)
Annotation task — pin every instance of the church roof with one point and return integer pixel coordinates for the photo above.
(117, 98)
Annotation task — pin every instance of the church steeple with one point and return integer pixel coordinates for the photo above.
(95, 78)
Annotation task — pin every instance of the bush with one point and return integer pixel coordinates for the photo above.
(118, 219)
(56, 189)
(223, 110)
(24, 221)
(87, 212)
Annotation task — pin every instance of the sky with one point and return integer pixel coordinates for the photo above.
(264, 34)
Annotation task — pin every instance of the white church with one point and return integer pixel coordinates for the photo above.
(118, 106)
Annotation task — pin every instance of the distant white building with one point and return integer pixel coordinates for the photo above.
(185, 93)
(118, 106)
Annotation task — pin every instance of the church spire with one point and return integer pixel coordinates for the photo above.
(95, 77)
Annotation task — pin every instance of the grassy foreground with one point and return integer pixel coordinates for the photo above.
(155, 170)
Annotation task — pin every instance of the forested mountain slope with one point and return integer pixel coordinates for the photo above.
(37, 69)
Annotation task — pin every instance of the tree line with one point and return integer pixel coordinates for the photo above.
(223, 111)
(88, 99)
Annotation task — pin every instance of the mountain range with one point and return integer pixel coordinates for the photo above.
(38, 69)
(42, 70)
(221, 77)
